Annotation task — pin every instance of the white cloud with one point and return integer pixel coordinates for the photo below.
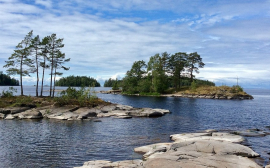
(46, 3)
(104, 38)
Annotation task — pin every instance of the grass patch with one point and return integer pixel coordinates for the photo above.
(82, 97)
(215, 90)
(149, 94)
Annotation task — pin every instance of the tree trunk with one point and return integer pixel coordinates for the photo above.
(43, 71)
(180, 80)
(21, 77)
(52, 70)
(41, 91)
(37, 75)
(191, 72)
(54, 81)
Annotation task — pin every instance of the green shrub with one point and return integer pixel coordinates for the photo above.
(115, 86)
(236, 89)
(193, 86)
(82, 97)
(9, 93)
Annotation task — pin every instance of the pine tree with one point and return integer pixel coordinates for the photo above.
(59, 60)
(194, 62)
(19, 62)
(44, 53)
(54, 47)
(35, 45)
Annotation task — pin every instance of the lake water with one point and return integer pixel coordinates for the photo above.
(50, 143)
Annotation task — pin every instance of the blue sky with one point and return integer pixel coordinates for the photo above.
(104, 37)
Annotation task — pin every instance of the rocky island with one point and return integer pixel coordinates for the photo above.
(206, 92)
(189, 150)
(73, 112)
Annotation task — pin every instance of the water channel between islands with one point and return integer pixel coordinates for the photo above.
(57, 143)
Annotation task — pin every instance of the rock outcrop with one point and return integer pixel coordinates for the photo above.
(204, 96)
(76, 113)
(200, 150)
(224, 95)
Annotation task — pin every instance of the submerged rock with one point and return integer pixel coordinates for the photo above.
(251, 133)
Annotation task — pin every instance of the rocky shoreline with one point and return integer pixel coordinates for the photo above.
(72, 112)
(202, 96)
(188, 150)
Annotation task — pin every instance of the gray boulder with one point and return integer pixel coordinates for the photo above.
(189, 160)
(85, 112)
(109, 164)
(30, 114)
(13, 110)
(251, 133)
(215, 147)
(2, 116)
(10, 117)
(107, 109)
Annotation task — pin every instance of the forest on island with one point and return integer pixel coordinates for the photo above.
(77, 81)
(162, 72)
(6, 80)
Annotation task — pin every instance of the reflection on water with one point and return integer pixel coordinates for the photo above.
(50, 143)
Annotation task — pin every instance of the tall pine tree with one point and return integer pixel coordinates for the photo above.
(19, 62)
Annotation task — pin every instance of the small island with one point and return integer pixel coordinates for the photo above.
(207, 92)
(71, 104)
(172, 75)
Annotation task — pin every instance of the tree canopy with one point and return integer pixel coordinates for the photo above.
(111, 82)
(32, 53)
(163, 71)
(77, 81)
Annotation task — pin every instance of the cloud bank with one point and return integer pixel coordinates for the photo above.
(103, 38)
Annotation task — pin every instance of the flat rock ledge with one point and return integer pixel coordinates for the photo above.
(77, 113)
(190, 150)
(214, 96)
(202, 96)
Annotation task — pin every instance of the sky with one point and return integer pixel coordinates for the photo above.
(104, 38)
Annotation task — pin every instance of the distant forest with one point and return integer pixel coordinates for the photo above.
(110, 82)
(6, 80)
(77, 81)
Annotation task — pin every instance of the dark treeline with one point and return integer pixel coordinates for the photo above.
(35, 55)
(6, 80)
(163, 71)
(77, 81)
(111, 82)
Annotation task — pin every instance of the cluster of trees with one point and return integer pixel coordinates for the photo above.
(111, 82)
(162, 72)
(6, 80)
(33, 54)
(77, 81)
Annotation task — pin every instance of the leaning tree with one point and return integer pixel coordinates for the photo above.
(19, 62)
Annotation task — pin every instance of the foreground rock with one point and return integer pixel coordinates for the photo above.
(200, 150)
(77, 113)
(109, 164)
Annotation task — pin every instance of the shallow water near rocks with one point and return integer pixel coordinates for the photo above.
(52, 143)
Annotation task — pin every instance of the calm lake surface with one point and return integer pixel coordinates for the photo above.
(50, 143)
